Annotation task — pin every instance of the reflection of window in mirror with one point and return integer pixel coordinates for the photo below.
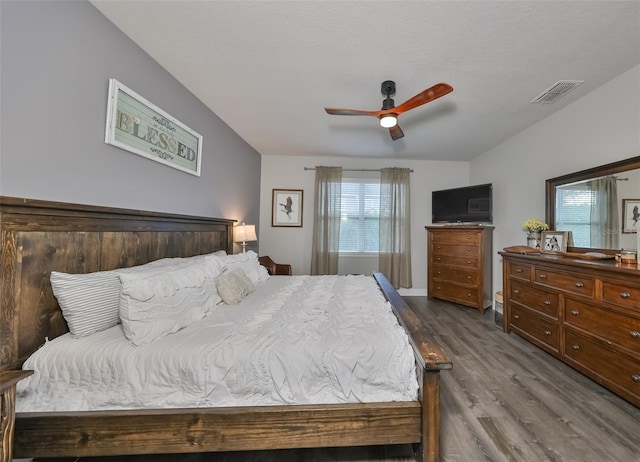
(590, 210)
(585, 196)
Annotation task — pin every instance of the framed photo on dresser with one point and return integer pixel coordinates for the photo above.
(554, 241)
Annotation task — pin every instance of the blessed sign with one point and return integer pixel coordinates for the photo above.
(139, 126)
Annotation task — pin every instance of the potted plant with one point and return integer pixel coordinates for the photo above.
(534, 228)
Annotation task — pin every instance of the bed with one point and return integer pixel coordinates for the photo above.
(38, 237)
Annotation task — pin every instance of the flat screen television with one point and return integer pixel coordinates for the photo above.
(469, 204)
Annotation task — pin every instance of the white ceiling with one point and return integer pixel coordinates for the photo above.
(268, 68)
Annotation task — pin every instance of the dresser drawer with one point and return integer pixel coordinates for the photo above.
(616, 369)
(621, 295)
(456, 250)
(455, 293)
(540, 300)
(533, 326)
(610, 326)
(519, 271)
(456, 237)
(464, 262)
(453, 274)
(574, 283)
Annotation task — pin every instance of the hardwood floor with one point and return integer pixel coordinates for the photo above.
(504, 400)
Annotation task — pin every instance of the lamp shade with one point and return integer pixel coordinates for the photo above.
(244, 233)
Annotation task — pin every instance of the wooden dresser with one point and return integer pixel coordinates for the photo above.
(459, 264)
(584, 312)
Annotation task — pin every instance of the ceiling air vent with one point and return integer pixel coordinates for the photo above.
(556, 91)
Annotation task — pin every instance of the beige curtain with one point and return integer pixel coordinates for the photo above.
(395, 226)
(604, 212)
(326, 225)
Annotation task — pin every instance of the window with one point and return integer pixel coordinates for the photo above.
(360, 210)
(574, 208)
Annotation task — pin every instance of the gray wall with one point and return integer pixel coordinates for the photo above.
(56, 61)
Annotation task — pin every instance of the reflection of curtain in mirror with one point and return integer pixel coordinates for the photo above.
(604, 213)
(326, 226)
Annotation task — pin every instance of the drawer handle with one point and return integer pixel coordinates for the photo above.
(575, 347)
(438, 259)
(516, 316)
(468, 237)
(625, 295)
(543, 276)
(547, 332)
(635, 378)
(438, 247)
(468, 250)
(518, 270)
(468, 277)
(635, 334)
(547, 302)
(468, 295)
(575, 312)
(579, 284)
(469, 262)
(516, 291)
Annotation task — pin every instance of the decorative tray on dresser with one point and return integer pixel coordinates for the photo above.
(584, 312)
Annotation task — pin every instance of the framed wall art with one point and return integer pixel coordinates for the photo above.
(554, 241)
(286, 208)
(630, 215)
(139, 126)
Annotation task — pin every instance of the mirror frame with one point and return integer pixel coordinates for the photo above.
(603, 170)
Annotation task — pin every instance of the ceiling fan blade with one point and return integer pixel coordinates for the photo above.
(424, 97)
(396, 132)
(339, 111)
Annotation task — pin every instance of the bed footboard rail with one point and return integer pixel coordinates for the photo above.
(430, 360)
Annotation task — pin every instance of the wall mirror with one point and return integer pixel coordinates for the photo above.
(597, 205)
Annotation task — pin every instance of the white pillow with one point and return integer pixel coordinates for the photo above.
(249, 263)
(90, 301)
(159, 302)
(233, 286)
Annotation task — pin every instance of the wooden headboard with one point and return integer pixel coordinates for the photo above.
(37, 237)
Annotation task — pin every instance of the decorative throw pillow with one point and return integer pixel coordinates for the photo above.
(157, 303)
(233, 286)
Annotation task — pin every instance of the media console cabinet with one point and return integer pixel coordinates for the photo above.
(584, 312)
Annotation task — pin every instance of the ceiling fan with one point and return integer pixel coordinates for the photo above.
(389, 113)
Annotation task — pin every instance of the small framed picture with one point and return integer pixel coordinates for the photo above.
(554, 241)
(630, 215)
(286, 208)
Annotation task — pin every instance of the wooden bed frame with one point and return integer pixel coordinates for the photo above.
(40, 236)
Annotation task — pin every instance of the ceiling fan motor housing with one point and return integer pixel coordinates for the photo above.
(388, 89)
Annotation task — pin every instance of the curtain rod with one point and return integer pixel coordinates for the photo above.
(356, 169)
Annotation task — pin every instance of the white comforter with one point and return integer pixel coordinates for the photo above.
(300, 339)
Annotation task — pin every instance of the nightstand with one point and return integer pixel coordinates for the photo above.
(8, 380)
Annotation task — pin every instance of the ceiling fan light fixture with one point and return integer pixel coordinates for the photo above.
(388, 120)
